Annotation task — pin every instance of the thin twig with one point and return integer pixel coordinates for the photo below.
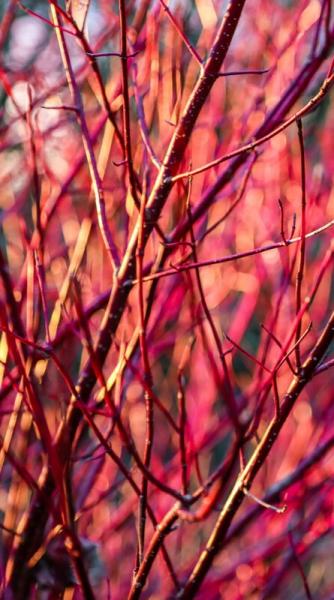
(235, 499)
(149, 406)
(306, 109)
(90, 156)
(181, 33)
(126, 103)
(301, 266)
(238, 256)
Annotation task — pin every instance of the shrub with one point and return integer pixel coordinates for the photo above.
(166, 264)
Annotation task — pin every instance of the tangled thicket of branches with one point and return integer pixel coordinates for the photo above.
(166, 308)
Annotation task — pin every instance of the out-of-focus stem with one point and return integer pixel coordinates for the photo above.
(126, 103)
(90, 156)
(301, 266)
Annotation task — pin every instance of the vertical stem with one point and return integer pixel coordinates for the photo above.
(87, 142)
(147, 378)
(300, 567)
(73, 542)
(227, 385)
(93, 62)
(126, 103)
(301, 266)
(182, 432)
